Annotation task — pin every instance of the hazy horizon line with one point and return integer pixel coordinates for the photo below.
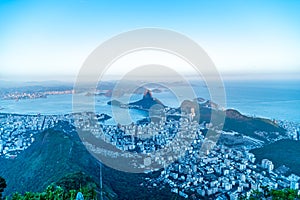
(228, 76)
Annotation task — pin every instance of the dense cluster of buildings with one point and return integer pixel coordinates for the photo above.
(218, 172)
(17, 131)
(198, 166)
(223, 172)
(293, 129)
(32, 95)
(166, 140)
(24, 95)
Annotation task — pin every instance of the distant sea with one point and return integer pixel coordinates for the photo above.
(270, 99)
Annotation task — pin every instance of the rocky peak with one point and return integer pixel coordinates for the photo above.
(147, 94)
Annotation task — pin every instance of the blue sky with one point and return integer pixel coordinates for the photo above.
(51, 39)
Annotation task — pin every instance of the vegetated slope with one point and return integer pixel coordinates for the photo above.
(56, 154)
(235, 121)
(53, 155)
(282, 152)
(232, 120)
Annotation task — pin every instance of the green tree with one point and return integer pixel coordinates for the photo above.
(17, 196)
(55, 192)
(58, 193)
(29, 196)
(88, 192)
(266, 193)
(72, 194)
(50, 192)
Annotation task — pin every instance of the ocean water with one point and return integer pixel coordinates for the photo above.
(270, 99)
(275, 100)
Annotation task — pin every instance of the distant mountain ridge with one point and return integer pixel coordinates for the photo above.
(230, 119)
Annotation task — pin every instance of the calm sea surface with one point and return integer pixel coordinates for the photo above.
(278, 100)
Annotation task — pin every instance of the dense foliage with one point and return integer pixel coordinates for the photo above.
(266, 193)
(54, 192)
(66, 188)
(282, 152)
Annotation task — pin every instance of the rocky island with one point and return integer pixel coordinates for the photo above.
(145, 103)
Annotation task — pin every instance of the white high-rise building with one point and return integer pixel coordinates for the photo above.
(267, 164)
(294, 185)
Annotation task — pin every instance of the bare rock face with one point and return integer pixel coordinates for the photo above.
(147, 94)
